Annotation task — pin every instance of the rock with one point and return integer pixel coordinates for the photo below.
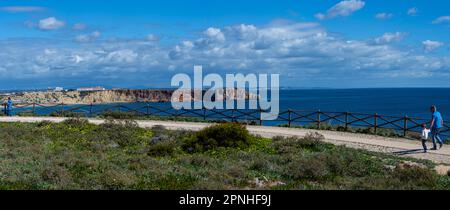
(259, 183)
(104, 96)
(276, 183)
(113, 145)
(389, 167)
(442, 170)
(410, 164)
(159, 138)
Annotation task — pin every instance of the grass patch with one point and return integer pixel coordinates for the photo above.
(118, 154)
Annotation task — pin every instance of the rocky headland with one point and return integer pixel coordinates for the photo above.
(104, 96)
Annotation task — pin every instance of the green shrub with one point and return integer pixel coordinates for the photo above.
(123, 132)
(200, 160)
(312, 141)
(343, 161)
(76, 122)
(27, 113)
(162, 148)
(414, 177)
(307, 168)
(222, 135)
(119, 115)
(67, 114)
(44, 123)
(159, 129)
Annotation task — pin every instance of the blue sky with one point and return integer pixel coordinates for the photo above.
(321, 43)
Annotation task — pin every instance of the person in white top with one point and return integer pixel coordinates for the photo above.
(424, 136)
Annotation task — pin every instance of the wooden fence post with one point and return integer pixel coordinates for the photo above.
(289, 117)
(34, 108)
(62, 109)
(260, 119)
(346, 120)
(90, 110)
(318, 119)
(405, 125)
(375, 125)
(204, 114)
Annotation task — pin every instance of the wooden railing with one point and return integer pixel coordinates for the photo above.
(402, 125)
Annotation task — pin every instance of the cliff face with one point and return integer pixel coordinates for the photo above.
(107, 96)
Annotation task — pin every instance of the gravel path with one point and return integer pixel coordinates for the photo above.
(397, 146)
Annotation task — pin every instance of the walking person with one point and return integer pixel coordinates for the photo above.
(424, 137)
(436, 125)
(9, 107)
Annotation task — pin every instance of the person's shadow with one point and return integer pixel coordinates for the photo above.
(406, 152)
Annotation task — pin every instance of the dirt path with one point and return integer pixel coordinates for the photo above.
(397, 146)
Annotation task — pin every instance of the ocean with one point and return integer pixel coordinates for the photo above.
(414, 102)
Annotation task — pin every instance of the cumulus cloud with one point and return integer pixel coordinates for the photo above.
(83, 38)
(50, 23)
(429, 45)
(412, 11)
(215, 34)
(384, 16)
(343, 8)
(442, 19)
(301, 50)
(390, 37)
(15, 9)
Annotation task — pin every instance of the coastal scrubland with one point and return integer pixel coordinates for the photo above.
(118, 154)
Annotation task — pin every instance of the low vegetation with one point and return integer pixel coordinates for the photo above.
(118, 154)
(386, 132)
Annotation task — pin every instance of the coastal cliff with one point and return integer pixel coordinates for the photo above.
(105, 96)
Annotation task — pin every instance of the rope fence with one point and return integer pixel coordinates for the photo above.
(401, 125)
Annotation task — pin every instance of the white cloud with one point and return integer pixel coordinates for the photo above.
(429, 45)
(15, 9)
(343, 8)
(384, 16)
(83, 38)
(301, 50)
(442, 19)
(412, 11)
(153, 38)
(50, 23)
(79, 26)
(122, 56)
(390, 37)
(215, 34)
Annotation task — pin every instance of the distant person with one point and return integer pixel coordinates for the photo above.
(9, 107)
(424, 136)
(436, 125)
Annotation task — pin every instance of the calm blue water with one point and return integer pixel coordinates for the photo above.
(414, 102)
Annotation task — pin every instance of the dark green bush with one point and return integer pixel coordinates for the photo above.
(159, 129)
(307, 168)
(162, 148)
(76, 122)
(119, 115)
(67, 114)
(43, 123)
(222, 135)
